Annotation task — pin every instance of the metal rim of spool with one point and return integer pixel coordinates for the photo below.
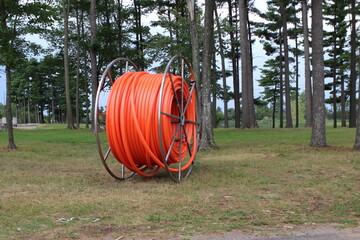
(124, 173)
(180, 174)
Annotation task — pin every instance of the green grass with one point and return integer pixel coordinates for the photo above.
(257, 178)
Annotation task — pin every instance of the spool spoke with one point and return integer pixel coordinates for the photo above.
(172, 143)
(190, 96)
(109, 76)
(170, 115)
(190, 121)
(180, 154)
(187, 141)
(122, 171)
(107, 154)
(182, 87)
(174, 90)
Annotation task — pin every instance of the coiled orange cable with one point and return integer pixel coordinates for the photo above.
(132, 122)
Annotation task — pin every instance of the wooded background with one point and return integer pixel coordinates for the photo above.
(83, 36)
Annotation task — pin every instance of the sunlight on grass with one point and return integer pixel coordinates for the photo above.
(260, 177)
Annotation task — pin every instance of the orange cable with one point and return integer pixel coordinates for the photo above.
(132, 122)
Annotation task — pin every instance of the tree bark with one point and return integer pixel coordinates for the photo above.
(69, 115)
(308, 85)
(207, 136)
(235, 70)
(343, 100)
(296, 79)
(281, 87)
(94, 77)
(287, 71)
(77, 114)
(249, 120)
(318, 133)
(352, 120)
(84, 67)
(334, 82)
(214, 90)
(195, 49)
(9, 116)
(223, 71)
(274, 108)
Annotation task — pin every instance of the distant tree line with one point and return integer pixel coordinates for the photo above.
(83, 36)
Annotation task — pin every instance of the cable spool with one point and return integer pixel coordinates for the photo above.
(151, 121)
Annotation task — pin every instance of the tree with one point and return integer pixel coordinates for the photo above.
(352, 120)
(308, 85)
(286, 59)
(234, 46)
(318, 133)
(94, 71)
(18, 18)
(270, 34)
(207, 136)
(223, 70)
(249, 119)
(335, 40)
(69, 115)
(195, 48)
(270, 80)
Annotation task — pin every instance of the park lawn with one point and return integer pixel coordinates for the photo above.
(256, 178)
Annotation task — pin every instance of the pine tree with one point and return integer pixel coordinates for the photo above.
(318, 133)
(335, 41)
(207, 138)
(249, 119)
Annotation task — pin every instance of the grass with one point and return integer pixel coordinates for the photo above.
(257, 178)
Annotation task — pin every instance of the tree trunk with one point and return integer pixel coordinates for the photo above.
(274, 108)
(250, 70)
(94, 77)
(214, 90)
(223, 71)
(334, 83)
(119, 26)
(308, 87)
(318, 133)
(343, 100)
(296, 79)
(249, 120)
(28, 112)
(281, 101)
(9, 116)
(86, 86)
(352, 120)
(235, 70)
(69, 115)
(357, 136)
(207, 138)
(139, 36)
(287, 71)
(195, 49)
(77, 114)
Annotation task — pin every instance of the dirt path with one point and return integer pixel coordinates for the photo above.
(311, 232)
(304, 232)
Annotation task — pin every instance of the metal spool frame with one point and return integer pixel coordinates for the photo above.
(124, 173)
(182, 106)
(181, 120)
